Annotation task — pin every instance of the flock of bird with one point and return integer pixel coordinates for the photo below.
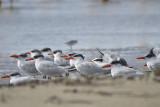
(54, 63)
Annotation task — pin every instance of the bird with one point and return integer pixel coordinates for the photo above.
(58, 59)
(119, 69)
(109, 56)
(71, 61)
(86, 68)
(34, 52)
(71, 43)
(153, 61)
(156, 51)
(16, 78)
(47, 67)
(100, 63)
(45, 52)
(26, 66)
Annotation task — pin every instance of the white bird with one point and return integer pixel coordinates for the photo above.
(48, 68)
(58, 59)
(99, 62)
(109, 56)
(71, 61)
(45, 52)
(15, 78)
(119, 69)
(34, 52)
(87, 68)
(26, 66)
(156, 51)
(153, 62)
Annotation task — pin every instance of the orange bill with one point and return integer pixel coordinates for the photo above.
(68, 58)
(64, 56)
(141, 57)
(90, 61)
(106, 66)
(128, 66)
(27, 53)
(51, 53)
(29, 59)
(145, 64)
(14, 56)
(5, 76)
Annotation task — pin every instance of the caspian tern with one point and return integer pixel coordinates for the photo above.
(34, 52)
(71, 61)
(87, 68)
(153, 62)
(156, 51)
(45, 52)
(26, 66)
(58, 59)
(119, 69)
(100, 63)
(47, 67)
(109, 56)
(15, 78)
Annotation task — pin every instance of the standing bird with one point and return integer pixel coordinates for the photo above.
(98, 61)
(153, 62)
(119, 68)
(47, 67)
(45, 52)
(58, 59)
(109, 56)
(34, 52)
(87, 68)
(15, 78)
(71, 43)
(71, 61)
(26, 66)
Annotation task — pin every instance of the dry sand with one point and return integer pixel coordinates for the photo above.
(94, 92)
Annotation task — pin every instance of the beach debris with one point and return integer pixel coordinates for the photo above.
(53, 99)
(3, 98)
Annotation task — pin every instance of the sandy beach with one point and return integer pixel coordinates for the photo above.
(83, 92)
(128, 27)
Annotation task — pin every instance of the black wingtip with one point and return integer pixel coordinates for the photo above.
(100, 51)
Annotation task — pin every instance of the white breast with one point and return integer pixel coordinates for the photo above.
(28, 67)
(72, 63)
(154, 65)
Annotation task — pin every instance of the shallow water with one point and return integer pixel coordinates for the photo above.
(50, 23)
(114, 24)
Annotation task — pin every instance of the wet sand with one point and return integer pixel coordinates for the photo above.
(83, 92)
